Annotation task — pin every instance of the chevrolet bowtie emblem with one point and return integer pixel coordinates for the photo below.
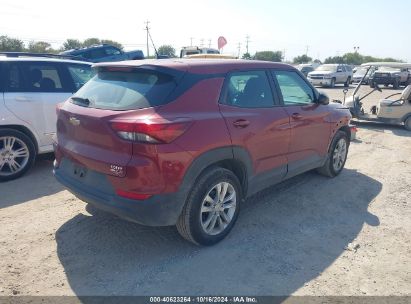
(74, 121)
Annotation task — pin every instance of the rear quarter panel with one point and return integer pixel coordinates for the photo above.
(207, 132)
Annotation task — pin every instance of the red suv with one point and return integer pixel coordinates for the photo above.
(185, 142)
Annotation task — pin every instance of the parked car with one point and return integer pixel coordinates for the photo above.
(359, 73)
(185, 142)
(391, 76)
(195, 50)
(330, 75)
(305, 69)
(30, 88)
(104, 52)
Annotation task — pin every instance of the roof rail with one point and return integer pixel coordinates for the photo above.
(27, 54)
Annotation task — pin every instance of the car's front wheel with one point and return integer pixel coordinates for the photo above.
(337, 155)
(332, 84)
(211, 208)
(17, 154)
(396, 84)
(407, 123)
(347, 83)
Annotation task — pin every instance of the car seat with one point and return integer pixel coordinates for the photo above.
(35, 77)
(255, 93)
(47, 84)
(405, 96)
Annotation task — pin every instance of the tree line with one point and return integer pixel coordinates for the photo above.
(9, 44)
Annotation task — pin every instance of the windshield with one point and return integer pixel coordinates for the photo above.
(327, 67)
(125, 90)
(360, 71)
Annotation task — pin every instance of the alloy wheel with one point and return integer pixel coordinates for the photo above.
(14, 155)
(218, 208)
(339, 154)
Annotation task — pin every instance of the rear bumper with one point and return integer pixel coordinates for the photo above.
(94, 188)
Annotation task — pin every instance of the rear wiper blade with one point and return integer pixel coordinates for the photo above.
(81, 101)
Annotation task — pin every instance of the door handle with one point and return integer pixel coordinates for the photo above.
(241, 123)
(296, 116)
(22, 98)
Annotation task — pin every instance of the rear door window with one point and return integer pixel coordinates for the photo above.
(97, 53)
(13, 79)
(125, 89)
(111, 51)
(250, 89)
(35, 77)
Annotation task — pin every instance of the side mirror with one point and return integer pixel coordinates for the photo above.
(323, 99)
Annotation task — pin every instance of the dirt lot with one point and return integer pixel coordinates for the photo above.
(307, 236)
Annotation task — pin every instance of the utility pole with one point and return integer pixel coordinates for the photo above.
(306, 49)
(202, 42)
(209, 43)
(247, 41)
(284, 55)
(239, 49)
(191, 41)
(147, 28)
(356, 49)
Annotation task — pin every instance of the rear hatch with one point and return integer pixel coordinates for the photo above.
(116, 94)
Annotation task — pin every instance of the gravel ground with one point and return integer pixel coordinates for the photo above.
(307, 236)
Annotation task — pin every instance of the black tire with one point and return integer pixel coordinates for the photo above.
(189, 223)
(347, 83)
(372, 84)
(396, 84)
(328, 168)
(5, 172)
(332, 84)
(407, 123)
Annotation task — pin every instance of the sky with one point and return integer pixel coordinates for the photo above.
(319, 28)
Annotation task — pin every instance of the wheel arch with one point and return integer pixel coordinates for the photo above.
(346, 129)
(405, 117)
(25, 131)
(224, 157)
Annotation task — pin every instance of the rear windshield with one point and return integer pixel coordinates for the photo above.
(128, 89)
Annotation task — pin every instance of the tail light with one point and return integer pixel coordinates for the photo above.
(150, 131)
(58, 107)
